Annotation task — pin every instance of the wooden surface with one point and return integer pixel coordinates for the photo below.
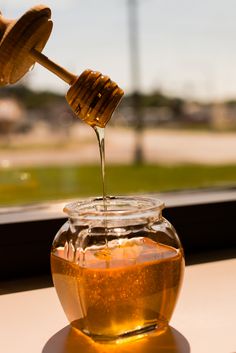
(203, 322)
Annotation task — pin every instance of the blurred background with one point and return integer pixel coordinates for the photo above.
(175, 128)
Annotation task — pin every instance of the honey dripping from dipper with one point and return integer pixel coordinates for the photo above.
(92, 96)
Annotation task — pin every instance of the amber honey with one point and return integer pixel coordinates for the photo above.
(129, 289)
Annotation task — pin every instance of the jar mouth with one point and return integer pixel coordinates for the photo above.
(114, 208)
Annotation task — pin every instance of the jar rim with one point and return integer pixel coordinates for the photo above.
(116, 207)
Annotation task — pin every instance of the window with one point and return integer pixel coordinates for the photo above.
(174, 129)
(173, 133)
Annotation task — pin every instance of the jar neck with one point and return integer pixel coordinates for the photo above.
(119, 211)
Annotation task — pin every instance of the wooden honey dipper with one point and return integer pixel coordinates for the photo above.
(92, 96)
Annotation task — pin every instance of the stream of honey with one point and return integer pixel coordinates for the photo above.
(100, 133)
(132, 288)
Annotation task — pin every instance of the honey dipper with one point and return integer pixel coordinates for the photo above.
(92, 96)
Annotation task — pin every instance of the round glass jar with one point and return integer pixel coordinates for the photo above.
(117, 271)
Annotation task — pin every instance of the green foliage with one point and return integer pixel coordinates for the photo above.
(29, 98)
(231, 103)
(155, 99)
(53, 183)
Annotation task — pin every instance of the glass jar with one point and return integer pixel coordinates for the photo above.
(117, 270)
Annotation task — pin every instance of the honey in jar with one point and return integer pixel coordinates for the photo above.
(117, 271)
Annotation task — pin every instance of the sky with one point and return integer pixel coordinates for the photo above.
(187, 48)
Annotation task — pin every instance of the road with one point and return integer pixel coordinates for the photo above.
(159, 146)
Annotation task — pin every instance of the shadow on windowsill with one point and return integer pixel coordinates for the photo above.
(69, 340)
